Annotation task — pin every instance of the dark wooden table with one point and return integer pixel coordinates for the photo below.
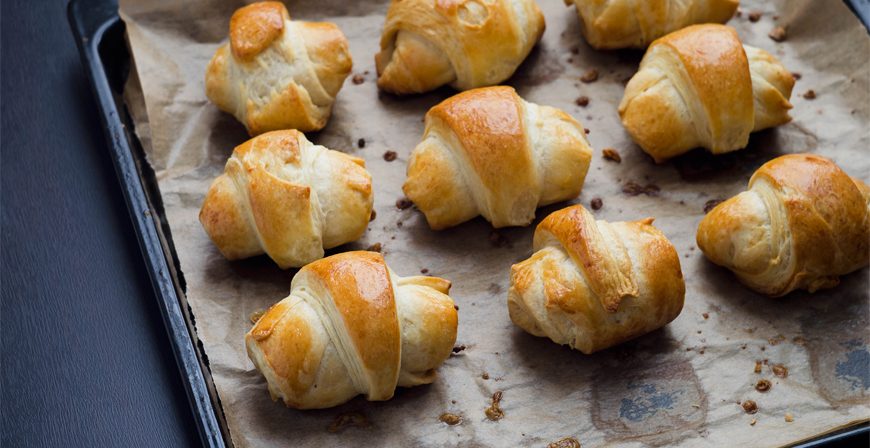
(85, 356)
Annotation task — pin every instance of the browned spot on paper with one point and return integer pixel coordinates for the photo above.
(749, 407)
(763, 385)
(567, 442)
(779, 370)
(450, 419)
(348, 420)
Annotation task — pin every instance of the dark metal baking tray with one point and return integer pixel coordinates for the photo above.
(99, 35)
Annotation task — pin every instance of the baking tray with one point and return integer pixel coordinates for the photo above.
(99, 35)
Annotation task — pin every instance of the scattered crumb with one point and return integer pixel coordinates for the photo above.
(778, 34)
(635, 189)
(459, 348)
(797, 76)
(705, 315)
(424, 271)
(375, 247)
(810, 95)
(485, 375)
(779, 370)
(456, 307)
(256, 315)
(788, 417)
(453, 401)
(611, 154)
(348, 420)
(776, 339)
(389, 156)
(373, 216)
(753, 422)
(711, 204)
(450, 419)
(403, 203)
(358, 79)
(400, 223)
(494, 411)
(498, 240)
(755, 16)
(582, 101)
(587, 131)
(591, 75)
(757, 365)
(361, 143)
(699, 331)
(596, 204)
(567, 442)
(763, 385)
(749, 407)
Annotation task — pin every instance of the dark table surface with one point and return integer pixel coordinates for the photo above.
(85, 356)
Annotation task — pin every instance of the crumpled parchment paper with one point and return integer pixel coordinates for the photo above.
(679, 386)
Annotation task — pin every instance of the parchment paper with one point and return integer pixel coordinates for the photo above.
(678, 386)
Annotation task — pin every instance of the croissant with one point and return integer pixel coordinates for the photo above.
(487, 151)
(351, 326)
(700, 87)
(610, 24)
(594, 284)
(276, 73)
(464, 43)
(285, 196)
(802, 223)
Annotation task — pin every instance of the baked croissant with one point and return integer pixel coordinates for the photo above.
(488, 152)
(351, 326)
(464, 43)
(802, 223)
(276, 73)
(700, 87)
(609, 24)
(594, 284)
(285, 196)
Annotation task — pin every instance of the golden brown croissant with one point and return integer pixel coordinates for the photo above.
(802, 224)
(285, 196)
(464, 43)
(609, 24)
(700, 87)
(351, 326)
(276, 73)
(488, 152)
(593, 284)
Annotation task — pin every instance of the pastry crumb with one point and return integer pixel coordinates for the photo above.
(788, 417)
(635, 189)
(450, 419)
(591, 75)
(485, 375)
(611, 154)
(705, 315)
(778, 34)
(389, 156)
(596, 204)
(494, 411)
(373, 216)
(810, 94)
(459, 348)
(376, 247)
(779, 370)
(582, 101)
(753, 422)
(586, 130)
(755, 16)
(797, 76)
(763, 385)
(424, 271)
(361, 143)
(403, 203)
(749, 407)
(567, 442)
(358, 79)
